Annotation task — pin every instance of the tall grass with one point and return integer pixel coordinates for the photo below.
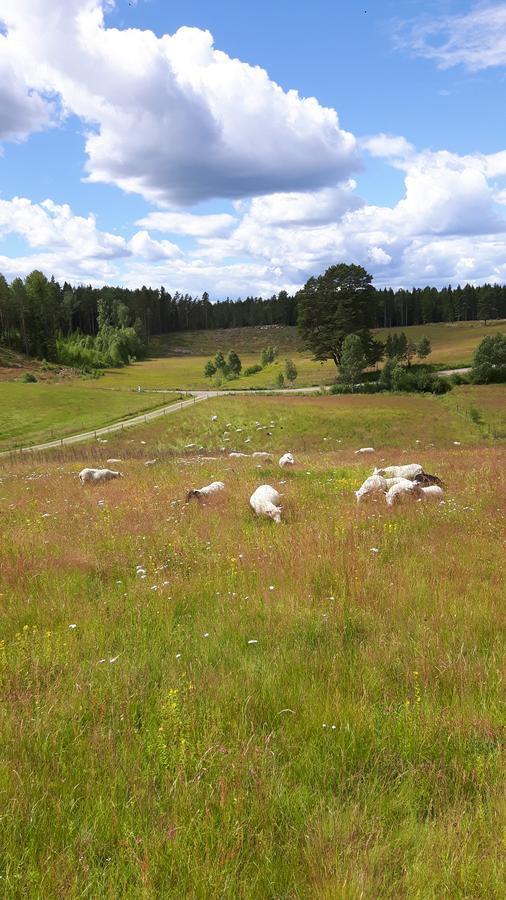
(353, 751)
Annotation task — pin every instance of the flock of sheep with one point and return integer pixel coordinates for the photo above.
(395, 483)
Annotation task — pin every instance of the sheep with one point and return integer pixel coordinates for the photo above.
(426, 480)
(286, 460)
(432, 492)
(408, 471)
(151, 462)
(391, 481)
(403, 490)
(375, 484)
(366, 450)
(97, 476)
(206, 491)
(265, 502)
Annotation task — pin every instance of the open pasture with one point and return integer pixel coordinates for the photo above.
(199, 703)
(178, 359)
(34, 413)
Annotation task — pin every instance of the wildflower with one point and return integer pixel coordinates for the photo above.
(73, 625)
(271, 587)
(253, 642)
(178, 656)
(113, 659)
(206, 634)
(374, 550)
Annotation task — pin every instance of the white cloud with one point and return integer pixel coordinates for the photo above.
(21, 111)
(172, 118)
(476, 39)
(142, 244)
(53, 228)
(188, 223)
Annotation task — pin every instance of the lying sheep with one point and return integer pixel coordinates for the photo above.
(365, 450)
(265, 502)
(206, 491)
(432, 492)
(286, 460)
(375, 484)
(426, 480)
(407, 471)
(97, 476)
(403, 490)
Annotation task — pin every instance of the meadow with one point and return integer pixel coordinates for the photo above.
(199, 703)
(178, 360)
(34, 413)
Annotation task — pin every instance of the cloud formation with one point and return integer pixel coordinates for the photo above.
(476, 39)
(172, 118)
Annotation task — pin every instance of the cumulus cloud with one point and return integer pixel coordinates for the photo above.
(142, 244)
(172, 118)
(476, 39)
(53, 228)
(21, 111)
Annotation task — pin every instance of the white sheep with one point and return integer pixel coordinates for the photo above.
(375, 484)
(403, 490)
(408, 471)
(265, 502)
(366, 450)
(286, 460)
(214, 488)
(432, 492)
(391, 481)
(97, 476)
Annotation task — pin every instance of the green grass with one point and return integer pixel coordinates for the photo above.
(484, 405)
(354, 751)
(34, 413)
(179, 359)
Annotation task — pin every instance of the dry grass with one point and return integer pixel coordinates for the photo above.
(354, 751)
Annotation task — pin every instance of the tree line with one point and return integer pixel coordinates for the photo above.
(35, 311)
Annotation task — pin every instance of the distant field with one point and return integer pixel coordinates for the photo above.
(33, 413)
(309, 710)
(182, 357)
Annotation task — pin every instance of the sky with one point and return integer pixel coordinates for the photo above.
(240, 148)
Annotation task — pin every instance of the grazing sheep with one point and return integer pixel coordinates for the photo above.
(375, 484)
(426, 480)
(392, 481)
(432, 492)
(403, 490)
(206, 491)
(97, 476)
(366, 450)
(286, 460)
(408, 471)
(265, 502)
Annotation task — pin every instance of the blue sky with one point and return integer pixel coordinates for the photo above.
(136, 148)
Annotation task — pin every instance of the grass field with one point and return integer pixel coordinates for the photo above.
(31, 413)
(179, 360)
(306, 710)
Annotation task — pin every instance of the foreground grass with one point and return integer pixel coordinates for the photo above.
(148, 749)
(34, 413)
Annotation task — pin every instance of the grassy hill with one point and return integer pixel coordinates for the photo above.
(306, 710)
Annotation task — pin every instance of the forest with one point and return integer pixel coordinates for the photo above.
(53, 321)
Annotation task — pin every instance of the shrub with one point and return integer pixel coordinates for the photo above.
(28, 378)
(489, 363)
(234, 364)
(252, 370)
(209, 369)
(280, 380)
(290, 370)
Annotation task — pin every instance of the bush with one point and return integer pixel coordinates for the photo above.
(28, 378)
(268, 355)
(290, 370)
(489, 363)
(252, 370)
(234, 364)
(280, 380)
(457, 379)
